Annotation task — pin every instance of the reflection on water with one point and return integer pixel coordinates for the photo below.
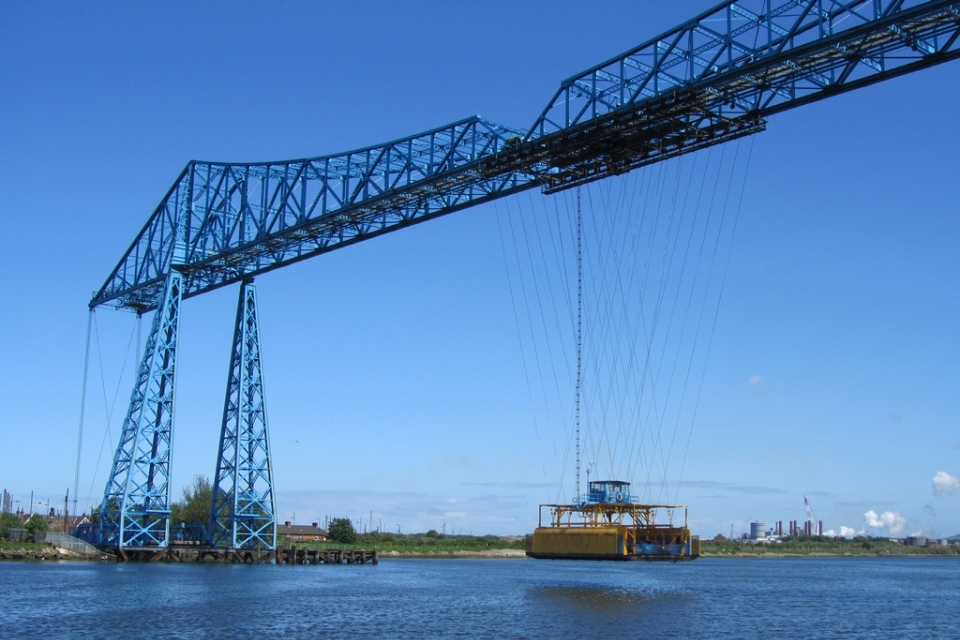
(606, 599)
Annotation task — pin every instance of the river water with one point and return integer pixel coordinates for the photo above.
(488, 598)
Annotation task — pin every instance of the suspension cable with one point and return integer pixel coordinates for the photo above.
(83, 406)
(579, 338)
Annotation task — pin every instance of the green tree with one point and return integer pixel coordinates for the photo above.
(195, 506)
(8, 521)
(35, 524)
(341, 530)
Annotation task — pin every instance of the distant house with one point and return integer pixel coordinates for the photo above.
(301, 532)
(56, 522)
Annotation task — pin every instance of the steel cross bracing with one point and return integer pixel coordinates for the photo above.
(717, 76)
(708, 81)
(224, 222)
(136, 501)
(242, 513)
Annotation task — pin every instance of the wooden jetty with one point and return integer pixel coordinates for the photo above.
(290, 555)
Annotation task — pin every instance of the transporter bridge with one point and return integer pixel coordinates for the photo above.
(713, 79)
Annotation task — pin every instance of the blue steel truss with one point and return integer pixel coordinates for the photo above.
(719, 75)
(237, 220)
(242, 513)
(710, 80)
(759, 57)
(136, 502)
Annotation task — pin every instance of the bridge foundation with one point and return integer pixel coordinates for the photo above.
(220, 555)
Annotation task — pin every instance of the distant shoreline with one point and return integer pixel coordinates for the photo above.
(35, 553)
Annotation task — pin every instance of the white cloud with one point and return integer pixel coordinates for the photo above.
(889, 520)
(756, 380)
(943, 482)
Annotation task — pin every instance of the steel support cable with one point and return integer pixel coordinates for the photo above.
(532, 339)
(633, 304)
(545, 342)
(702, 307)
(659, 338)
(616, 325)
(606, 338)
(682, 339)
(716, 315)
(596, 353)
(559, 253)
(612, 325)
(637, 372)
(655, 191)
(83, 405)
(550, 287)
(627, 456)
(613, 322)
(527, 298)
(576, 492)
(564, 247)
(617, 229)
(611, 319)
(658, 407)
(652, 332)
(516, 316)
(695, 352)
(540, 280)
(562, 267)
(108, 406)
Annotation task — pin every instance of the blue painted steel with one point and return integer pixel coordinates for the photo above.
(189, 534)
(136, 502)
(710, 80)
(758, 57)
(242, 514)
(608, 491)
(718, 76)
(243, 219)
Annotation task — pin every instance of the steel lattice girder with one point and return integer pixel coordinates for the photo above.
(242, 513)
(224, 222)
(136, 501)
(758, 57)
(700, 85)
(708, 81)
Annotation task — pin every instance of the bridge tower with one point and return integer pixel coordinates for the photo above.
(136, 503)
(243, 513)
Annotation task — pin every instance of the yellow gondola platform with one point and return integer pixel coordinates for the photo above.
(609, 525)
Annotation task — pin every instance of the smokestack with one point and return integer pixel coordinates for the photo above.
(820, 528)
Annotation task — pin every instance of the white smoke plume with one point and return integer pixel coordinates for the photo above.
(943, 482)
(845, 532)
(889, 520)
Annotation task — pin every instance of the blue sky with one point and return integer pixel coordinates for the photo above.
(396, 380)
